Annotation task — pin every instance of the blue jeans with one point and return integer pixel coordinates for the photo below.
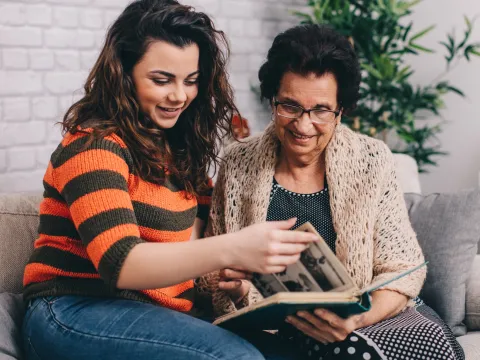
(80, 328)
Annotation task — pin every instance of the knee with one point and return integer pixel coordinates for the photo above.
(233, 347)
(243, 351)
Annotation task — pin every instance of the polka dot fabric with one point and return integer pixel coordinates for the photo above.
(417, 333)
(314, 208)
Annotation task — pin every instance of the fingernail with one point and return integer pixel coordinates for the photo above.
(288, 319)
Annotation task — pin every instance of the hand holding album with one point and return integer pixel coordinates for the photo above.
(318, 279)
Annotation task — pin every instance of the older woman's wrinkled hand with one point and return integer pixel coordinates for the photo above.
(232, 282)
(325, 326)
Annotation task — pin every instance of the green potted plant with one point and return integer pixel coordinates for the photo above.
(390, 106)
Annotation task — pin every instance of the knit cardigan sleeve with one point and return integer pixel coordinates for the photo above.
(396, 248)
(208, 284)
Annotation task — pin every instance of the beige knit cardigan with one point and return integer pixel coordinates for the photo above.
(375, 239)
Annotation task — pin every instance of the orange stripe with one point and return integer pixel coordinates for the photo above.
(89, 160)
(172, 303)
(175, 290)
(48, 177)
(97, 202)
(36, 272)
(50, 206)
(117, 139)
(99, 245)
(165, 236)
(62, 243)
(69, 138)
(160, 196)
(204, 200)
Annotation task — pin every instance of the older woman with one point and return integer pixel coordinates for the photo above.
(308, 165)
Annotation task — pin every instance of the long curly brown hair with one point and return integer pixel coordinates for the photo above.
(109, 104)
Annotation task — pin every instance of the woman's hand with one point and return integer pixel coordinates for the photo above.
(232, 282)
(267, 247)
(324, 326)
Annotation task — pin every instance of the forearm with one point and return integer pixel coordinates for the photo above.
(159, 265)
(385, 304)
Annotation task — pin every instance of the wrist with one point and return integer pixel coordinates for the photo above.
(226, 248)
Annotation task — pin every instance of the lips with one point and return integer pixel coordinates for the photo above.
(300, 136)
(168, 109)
(169, 113)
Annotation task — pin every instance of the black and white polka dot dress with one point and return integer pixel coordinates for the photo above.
(416, 333)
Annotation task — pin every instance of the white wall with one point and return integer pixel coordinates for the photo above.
(461, 135)
(48, 46)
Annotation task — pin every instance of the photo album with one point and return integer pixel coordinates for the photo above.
(317, 280)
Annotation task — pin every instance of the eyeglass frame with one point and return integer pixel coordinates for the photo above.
(276, 103)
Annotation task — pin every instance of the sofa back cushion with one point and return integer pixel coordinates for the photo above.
(472, 315)
(18, 230)
(448, 230)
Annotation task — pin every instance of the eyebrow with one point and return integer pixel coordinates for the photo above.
(170, 75)
(294, 102)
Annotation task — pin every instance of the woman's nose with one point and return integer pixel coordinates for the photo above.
(178, 95)
(304, 123)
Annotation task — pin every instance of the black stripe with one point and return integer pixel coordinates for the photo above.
(112, 260)
(62, 260)
(78, 146)
(171, 185)
(93, 181)
(161, 219)
(97, 224)
(51, 192)
(188, 294)
(57, 226)
(57, 152)
(202, 212)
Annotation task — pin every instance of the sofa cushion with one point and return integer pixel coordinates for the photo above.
(471, 345)
(11, 318)
(448, 230)
(18, 230)
(472, 315)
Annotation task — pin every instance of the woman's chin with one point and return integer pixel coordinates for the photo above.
(165, 123)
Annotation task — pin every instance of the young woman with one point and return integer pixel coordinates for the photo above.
(125, 191)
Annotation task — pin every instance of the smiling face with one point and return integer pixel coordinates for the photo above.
(166, 81)
(300, 138)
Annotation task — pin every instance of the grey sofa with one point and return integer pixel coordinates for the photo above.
(18, 230)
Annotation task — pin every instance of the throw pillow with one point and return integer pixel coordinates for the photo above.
(448, 230)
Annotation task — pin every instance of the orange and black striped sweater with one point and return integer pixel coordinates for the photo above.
(94, 211)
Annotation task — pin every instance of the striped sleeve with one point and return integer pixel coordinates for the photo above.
(204, 201)
(94, 183)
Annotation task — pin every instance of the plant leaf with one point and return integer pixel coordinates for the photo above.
(456, 90)
(422, 33)
(370, 69)
(421, 48)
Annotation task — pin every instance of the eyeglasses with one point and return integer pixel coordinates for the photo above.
(318, 116)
